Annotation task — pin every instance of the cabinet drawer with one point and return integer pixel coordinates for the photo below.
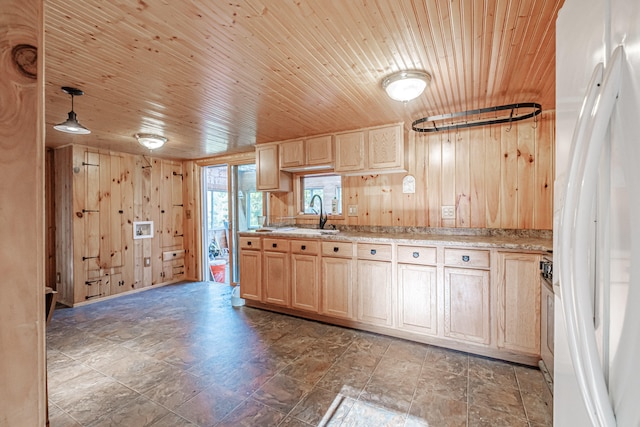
(374, 251)
(416, 254)
(308, 247)
(337, 249)
(275, 245)
(466, 258)
(250, 243)
(169, 255)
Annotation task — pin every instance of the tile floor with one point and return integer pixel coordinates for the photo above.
(180, 355)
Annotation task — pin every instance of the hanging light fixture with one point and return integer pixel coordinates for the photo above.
(71, 125)
(406, 85)
(150, 140)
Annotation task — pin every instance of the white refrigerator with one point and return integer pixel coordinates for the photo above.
(597, 214)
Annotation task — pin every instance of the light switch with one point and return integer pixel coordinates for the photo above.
(147, 261)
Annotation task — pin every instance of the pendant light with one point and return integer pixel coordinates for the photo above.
(406, 85)
(71, 125)
(150, 140)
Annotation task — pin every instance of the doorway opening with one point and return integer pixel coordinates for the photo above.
(231, 204)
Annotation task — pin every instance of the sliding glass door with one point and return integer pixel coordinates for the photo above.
(231, 204)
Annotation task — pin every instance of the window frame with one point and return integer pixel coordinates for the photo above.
(298, 188)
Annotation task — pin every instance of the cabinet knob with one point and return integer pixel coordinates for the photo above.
(274, 245)
(249, 243)
(373, 251)
(304, 247)
(336, 249)
(416, 254)
(465, 258)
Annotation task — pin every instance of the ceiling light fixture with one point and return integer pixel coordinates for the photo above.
(150, 140)
(406, 85)
(71, 125)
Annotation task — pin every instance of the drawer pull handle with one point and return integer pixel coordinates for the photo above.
(373, 251)
(416, 254)
(249, 243)
(304, 247)
(274, 245)
(465, 258)
(336, 249)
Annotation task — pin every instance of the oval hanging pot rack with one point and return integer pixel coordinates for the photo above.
(420, 125)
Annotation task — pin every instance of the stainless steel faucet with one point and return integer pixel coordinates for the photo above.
(323, 218)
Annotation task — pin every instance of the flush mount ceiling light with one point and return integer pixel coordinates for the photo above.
(406, 85)
(71, 125)
(150, 140)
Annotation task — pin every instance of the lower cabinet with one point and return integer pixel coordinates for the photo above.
(518, 306)
(417, 298)
(276, 273)
(375, 284)
(474, 299)
(305, 275)
(466, 305)
(250, 269)
(337, 279)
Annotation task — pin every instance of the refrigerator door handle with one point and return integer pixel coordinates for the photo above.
(575, 247)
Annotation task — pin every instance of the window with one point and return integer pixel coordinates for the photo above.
(326, 186)
(254, 207)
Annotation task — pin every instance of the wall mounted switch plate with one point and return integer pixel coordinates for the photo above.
(353, 210)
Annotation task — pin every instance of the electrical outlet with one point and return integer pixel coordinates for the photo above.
(448, 212)
(353, 210)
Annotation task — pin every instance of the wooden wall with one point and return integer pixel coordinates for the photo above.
(497, 176)
(22, 227)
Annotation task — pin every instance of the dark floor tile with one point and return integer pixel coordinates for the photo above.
(139, 412)
(441, 383)
(209, 407)
(438, 411)
(502, 399)
(447, 360)
(252, 413)
(345, 380)
(307, 369)
(482, 416)
(493, 371)
(407, 351)
(282, 393)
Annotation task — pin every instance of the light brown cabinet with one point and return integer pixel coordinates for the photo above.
(312, 153)
(337, 279)
(417, 289)
(250, 268)
(518, 302)
(471, 299)
(379, 150)
(374, 284)
(467, 315)
(305, 274)
(276, 274)
(269, 177)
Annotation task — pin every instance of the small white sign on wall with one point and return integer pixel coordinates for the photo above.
(409, 184)
(143, 229)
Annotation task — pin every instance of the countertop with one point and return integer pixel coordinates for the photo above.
(526, 240)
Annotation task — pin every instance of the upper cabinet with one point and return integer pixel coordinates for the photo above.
(380, 150)
(269, 175)
(307, 154)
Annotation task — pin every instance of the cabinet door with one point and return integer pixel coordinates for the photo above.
(276, 278)
(292, 154)
(417, 298)
(96, 287)
(116, 284)
(350, 152)
(386, 148)
(337, 287)
(374, 292)
(466, 305)
(250, 275)
(268, 174)
(319, 151)
(518, 295)
(305, 271)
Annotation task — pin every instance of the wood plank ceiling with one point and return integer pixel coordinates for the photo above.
(218, 77)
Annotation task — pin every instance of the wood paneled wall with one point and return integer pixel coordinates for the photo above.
(497, 176)
(22, 218)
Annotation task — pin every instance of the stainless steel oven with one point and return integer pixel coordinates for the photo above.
(546, 311)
